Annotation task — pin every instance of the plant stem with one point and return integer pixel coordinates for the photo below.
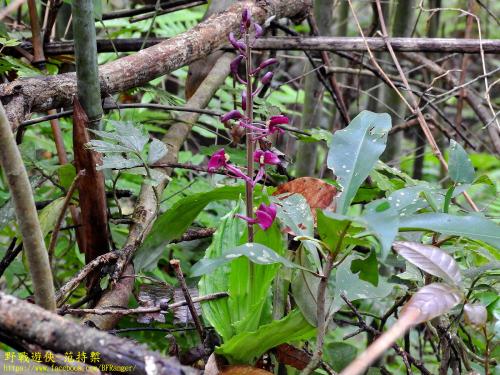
(27, 217)
(249, 115)
(89, 90)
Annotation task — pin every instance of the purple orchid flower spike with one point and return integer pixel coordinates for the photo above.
(231, 115)
(265, 216)
(218, 160)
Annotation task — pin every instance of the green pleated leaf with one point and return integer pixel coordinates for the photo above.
(255, 252)
(247, 347)
(173, 223)
(460, 167)
(218, 312)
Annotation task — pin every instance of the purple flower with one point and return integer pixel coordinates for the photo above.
(266, 63)
(239, 45)
(274, 123)
(278, 120)
(246, 18)
(266, 157)
(265, 216)
(231, 115)
(235, 64)
(218, 160)
(266, 79)
(258, 30)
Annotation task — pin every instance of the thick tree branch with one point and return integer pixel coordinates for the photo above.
(43, 93)
(27, 218)
(323, 43)
(50, 331)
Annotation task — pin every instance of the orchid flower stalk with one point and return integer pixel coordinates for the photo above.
(254, 130)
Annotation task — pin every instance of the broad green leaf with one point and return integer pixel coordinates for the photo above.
(354, 152)
(407, 201)
(174, 222)
(131, 135)
(460, 167)
(118, 162)
(305, 290)
(255, 252)
(107, 147)
(295, 213)
(331, 228)
(339, 354)
(470, 226)
(348, 283)
(49, 215)
(9, 42)
(430, 259)
(21, 68)
(433, 300)
(157, 150)
(67, 174)
(381, 219)
(247, 347)
(367, 268)
(250, 283)
(218, 312)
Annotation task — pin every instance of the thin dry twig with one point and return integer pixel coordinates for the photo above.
(62, 214)
(142, 310)
(189, 300)
(414, 108)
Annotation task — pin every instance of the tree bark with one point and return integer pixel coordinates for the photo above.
(48, 330)
(24, 96)
(27, 217)
(87, 115)
(330, 44)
